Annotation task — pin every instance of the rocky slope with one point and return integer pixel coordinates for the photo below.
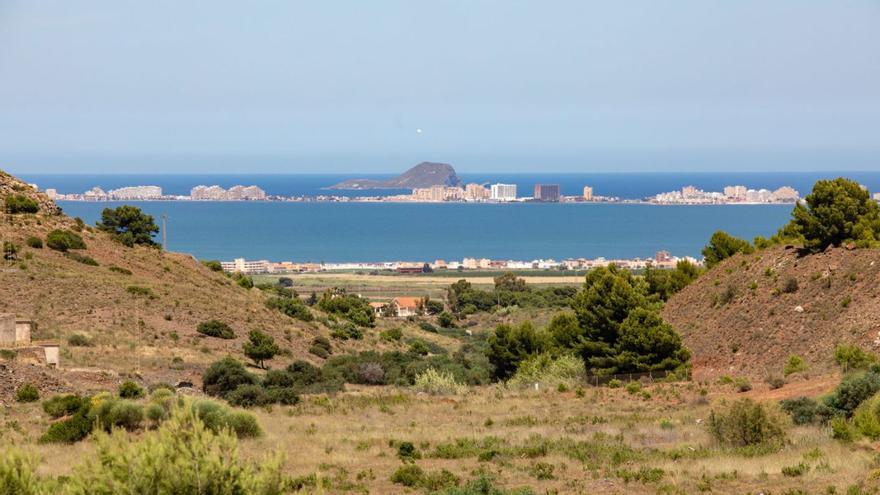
(749, 313)
(425, 174)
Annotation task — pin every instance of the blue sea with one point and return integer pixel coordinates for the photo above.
(336, 232)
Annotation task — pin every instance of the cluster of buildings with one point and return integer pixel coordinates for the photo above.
(234, 193)
(662, 259)
(731, 194)
(15, 334)
(496, 193)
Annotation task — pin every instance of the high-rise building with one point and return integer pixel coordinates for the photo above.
(588, 193)
(503, 192)
(547, 192)
(476, 192)
(735, 192)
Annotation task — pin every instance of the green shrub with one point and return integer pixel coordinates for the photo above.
(790, 286)
(292, 307)
(427, 327)
(852, 391)
(214, 328)
(351, 307)
(866, 419)
(34, 242)
(408, 475)
(840, 429)
(18, 473)
(633, 388)
(120, 270)
(194, 459)
(248, 396)
(224, 376)
(78, 340)
(19, 203)
(260, 347)
(27, 393)
(218, 418)
(130, 390)
(546, 369)
(213, 265)
(136, 290)
(746, 423)
(155, 413)
(484, 485)
(542, 471)
(742, 384)
(795, 364)
(10, 251)
(286, 396)
(851, 357)
(64, 240)
(794, 471)
(407, 452)
(436, 382)
(392, 334)
(113, 413)
(73, 429)
(79, 258)
(446, 320)
(614, 383)
(347, 331)
(63, 405)
(805, 410)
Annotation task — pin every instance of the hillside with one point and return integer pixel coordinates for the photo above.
(746, 316)
(425, 174)
(153, 334)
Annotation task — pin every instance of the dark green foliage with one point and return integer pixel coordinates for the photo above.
(805, 410)
(85, 260)
(19, 203)
(64, 240)
(407, 452)
(129, 225)
(213, 265)
(351, 307)
(837, 211)
(722, 246)
(446, 320)
(308, 378)
(347, 330)
(321, 347)
(469, 365)
(408, 475)
(72, 429)
(243, 281)
(64, 405)
(745, 423)
(509, 346)
(260, 347)
(484, 485)
(136, 290)
(34, 242)
(647, 343)
(224, 376)
(509, 291)
(249, 396)
(564, 330)
(664, 283)
(852, 391)
(285, 396)
(392, 334)
(27, 393)
(119, 270)
(292, 307)
(217, 418)
(130, 390)
(214, 328)
(113, 413)
(433, 306)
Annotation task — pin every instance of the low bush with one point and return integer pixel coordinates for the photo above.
(72, 429)
(286, 396)
(745, 423)
(116, 413)
(213, 265)
(27, 393)
(347, 331)
(63, 405)
(34, 242)
(852, 391)
(436, 382)
(224, 376)
(742, 384)
(866, 419)
(851, 357)
(64, 240)
(446, 320)
(119, 270)
(78, 340)
(218, 418)
(139, 291)
(19, 203)
(392, 334)
(248, 396)
(214, 328)
(547, 370)
(292, 307)
(321, 347)
(794, 364)
(79, 258)
(805, 410)
(408, 475)
(790, 286)
(130, 390)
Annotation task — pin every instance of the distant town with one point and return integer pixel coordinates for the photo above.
(470, 193)
(662, 259)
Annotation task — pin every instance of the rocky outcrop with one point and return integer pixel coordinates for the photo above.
(425, 174)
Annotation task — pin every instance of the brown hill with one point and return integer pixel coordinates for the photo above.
(749, 313)
(153, 335)
(425, 174)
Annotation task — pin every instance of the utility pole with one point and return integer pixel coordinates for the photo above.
(164, 232)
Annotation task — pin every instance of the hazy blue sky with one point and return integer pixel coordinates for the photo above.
(327, 86)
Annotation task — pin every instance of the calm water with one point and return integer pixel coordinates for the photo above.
(424, 232)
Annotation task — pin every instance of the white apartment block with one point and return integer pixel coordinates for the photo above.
(503, 192)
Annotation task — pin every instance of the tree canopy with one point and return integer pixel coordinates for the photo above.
(722, 246)
(129, 225)
(837, 211)
(260, 347)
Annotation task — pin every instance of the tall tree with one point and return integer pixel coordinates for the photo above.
(836, 212)
(260, 347)
(129, 225)
(722, 246)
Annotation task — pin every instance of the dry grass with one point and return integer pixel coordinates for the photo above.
(592, 440)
